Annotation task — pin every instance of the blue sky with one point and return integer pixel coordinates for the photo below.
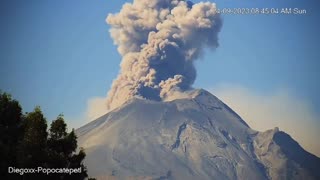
(59, 54)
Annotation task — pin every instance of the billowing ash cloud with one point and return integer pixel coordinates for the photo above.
(159, 41)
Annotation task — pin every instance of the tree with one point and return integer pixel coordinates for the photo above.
(57, 143)
(26, 143)
(33, 146)
(11, 132)
(62, 148)
(58, 128)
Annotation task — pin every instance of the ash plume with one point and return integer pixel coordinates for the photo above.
(159, 40)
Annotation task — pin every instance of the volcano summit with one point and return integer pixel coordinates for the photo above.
(159, 127)
(198, 137)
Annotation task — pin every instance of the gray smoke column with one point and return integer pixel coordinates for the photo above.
(159, 41)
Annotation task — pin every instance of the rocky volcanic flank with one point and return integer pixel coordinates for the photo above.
(198, 137)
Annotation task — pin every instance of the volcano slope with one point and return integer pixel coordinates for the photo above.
(198, 137)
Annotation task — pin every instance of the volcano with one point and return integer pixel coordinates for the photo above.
(198, 137)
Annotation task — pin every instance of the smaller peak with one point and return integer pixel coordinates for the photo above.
(274, 131)
(271, 132)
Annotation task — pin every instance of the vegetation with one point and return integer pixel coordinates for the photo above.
(26, 142)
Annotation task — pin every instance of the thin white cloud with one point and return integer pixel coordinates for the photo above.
(96, 108)
(281, 109)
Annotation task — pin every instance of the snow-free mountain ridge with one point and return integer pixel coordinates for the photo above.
(197, 137)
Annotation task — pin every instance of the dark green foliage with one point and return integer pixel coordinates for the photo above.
(11, 132)
(58, 128)
(34, 143)
(61, 149)
(26, 143)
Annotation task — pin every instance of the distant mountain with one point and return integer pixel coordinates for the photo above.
(193, 138)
